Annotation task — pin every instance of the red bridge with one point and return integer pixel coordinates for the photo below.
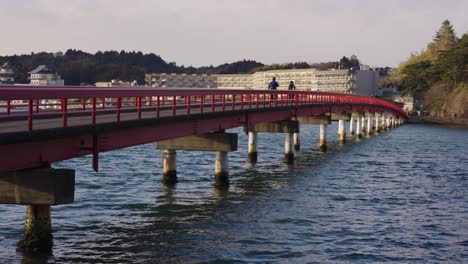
(42, 125)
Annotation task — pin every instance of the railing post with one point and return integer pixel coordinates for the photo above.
(119, 105)
(8, 107)
(233, 99)
(103, 103)
(139, 107)
(30, 114)
(174, 102)
(64, 111)
(158, 104)
(187, 98)
(93, 113)
(37, 105)
(83, 104)
(202, 101)
(212, 103)
(224, 102)
(242, 101)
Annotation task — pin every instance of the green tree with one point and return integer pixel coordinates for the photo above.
(444, 39)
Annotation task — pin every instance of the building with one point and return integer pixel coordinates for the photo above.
(180, 80)
(409, 102)
(116, 83)
(6, 74)
(44, 76)
(340, 81)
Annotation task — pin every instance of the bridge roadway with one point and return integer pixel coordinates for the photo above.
(42, 125)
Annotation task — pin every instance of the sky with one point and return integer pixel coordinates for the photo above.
(212, 32)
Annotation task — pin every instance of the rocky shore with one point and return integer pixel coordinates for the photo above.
(445, 121)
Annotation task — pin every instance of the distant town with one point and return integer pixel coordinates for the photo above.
(363, 81)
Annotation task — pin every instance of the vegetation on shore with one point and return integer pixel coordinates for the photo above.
(439, 74)
(81, 68)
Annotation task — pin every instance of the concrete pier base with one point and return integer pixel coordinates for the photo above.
(323, 138)
(169, 157)
(351, 126)
(221, 169)
(297, 141)
(342, 131)
(363, 125)
(37, 236)
(377, 124)
(220, 142)
(359, 128)
(369, 125)
(252, 147)
(38, 189)
(288, 148)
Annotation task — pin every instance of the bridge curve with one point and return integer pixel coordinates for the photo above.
(41, 124)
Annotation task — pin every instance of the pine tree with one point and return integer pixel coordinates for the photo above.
(444, 39)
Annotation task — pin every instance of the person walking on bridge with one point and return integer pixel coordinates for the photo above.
(291, 87)
(272, 86)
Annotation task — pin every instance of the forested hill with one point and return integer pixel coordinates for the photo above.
(77, 67)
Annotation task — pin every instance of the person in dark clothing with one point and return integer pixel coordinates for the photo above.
(272, 86)
(291, 87)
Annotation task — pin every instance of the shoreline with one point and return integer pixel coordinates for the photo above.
(432, 120)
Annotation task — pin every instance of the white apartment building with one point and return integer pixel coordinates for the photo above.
(341, 81)
(44, 76)
(6, 74)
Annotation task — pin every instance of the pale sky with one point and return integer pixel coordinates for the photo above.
(204, 32)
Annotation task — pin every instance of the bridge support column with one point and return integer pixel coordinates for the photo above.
(222, 169)
(38, 189)
(351, 126)
(297, 141)
(323, 121)
(169, 157)
(363, 125)
(252, 148)
(323, 137)
(219, 141)
(369, 125)
(384, 127)
(288, 148)
(342, 131)
(377, 124)
(290, 127)
(359, 128)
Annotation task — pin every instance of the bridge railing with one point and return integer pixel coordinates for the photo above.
(31, 102)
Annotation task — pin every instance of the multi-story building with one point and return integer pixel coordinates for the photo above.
(180, 80)
(116, 83)
(341, 81)
(6, 74)
(45, 77)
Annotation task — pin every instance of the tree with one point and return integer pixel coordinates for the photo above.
(444, 39)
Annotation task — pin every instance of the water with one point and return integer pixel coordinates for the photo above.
(401, 196)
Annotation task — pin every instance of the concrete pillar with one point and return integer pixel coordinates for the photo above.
(252, 152)
(384, 127)
(342, 135)
(222, 169)
(323, 138)
(340, 124)
(37, 236)
(169, 158)
(363, 124)
(369, 125)
(359, 128)
(377, 125)
(351, 125)
(288, 148)
(38, 189)
(297, 141)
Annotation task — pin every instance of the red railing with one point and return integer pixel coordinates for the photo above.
(33, 102)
